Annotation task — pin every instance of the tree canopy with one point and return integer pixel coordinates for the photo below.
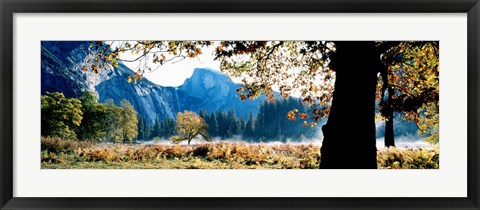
(189, 126)
(413, 75)
(95, 118)
(60, 115)
(86, 119)
(128, 122)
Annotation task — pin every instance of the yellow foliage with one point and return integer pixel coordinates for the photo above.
(189, 126)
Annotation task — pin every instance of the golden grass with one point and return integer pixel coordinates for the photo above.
(218, 155)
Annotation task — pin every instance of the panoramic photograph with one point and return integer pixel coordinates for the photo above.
(146, 104)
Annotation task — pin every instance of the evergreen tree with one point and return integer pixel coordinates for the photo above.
(272, 122)
(260, 122)
(232, 124)
(167, 127)
(162, 129)
(141, 128)
(156, 131)
(212, 124)
(203, 114)
(249, 130)
(241, 125)
(146, 129)
(222, 124)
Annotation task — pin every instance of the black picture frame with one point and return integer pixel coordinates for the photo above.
(10, 7)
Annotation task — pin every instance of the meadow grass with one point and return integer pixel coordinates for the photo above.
(65, 154)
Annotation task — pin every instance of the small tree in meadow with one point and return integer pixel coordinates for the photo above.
(189, 126)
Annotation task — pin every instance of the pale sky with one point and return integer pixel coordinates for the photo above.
(175, 74)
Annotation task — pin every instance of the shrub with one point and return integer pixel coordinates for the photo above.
(59, 145)
(395, 158)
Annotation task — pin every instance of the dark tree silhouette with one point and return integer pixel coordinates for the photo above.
(349, 135)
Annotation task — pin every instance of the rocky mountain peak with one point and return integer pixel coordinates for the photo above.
(61, 67)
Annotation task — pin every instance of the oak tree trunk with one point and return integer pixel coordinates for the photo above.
(349, 134)
(389, 135)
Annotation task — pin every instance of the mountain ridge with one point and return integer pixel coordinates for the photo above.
(61, 66)
(206, 89)
(218, 91)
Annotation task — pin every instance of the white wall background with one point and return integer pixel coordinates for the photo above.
(449, 181)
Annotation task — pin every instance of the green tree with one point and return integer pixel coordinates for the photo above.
(249, 131)
(156, 129)
(95, 123)
(147, 129)
(128, 121)
(189, 126)
(88, 98)
(241, 125)
(260, 122)
(203, 114)
(167, 127)
(232, 125)
(141, 128)
(112, 122)
(222, 124)
(212, 124)
(60, 115)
